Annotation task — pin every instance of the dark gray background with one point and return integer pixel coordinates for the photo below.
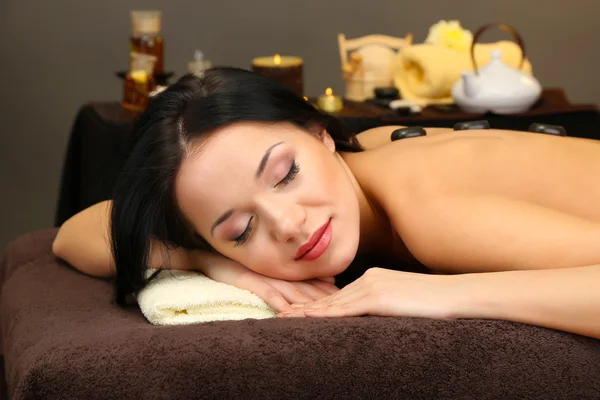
(57, 55)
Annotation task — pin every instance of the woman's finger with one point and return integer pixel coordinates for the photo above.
(354, 308)
(312, 290)
(268, 294)
(345, 295)
(290, 292)
(353, 305)
(329, 308)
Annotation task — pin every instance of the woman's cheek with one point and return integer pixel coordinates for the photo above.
(260, 258)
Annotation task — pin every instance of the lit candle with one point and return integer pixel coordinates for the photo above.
(286, 70)
(330, 102)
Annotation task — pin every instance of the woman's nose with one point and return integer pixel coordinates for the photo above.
(286, 219)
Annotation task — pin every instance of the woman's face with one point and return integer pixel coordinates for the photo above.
(274, 198)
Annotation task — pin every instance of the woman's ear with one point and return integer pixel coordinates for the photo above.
(321, 133)
(327, 140)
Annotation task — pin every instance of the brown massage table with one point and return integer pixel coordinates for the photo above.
(64, 338)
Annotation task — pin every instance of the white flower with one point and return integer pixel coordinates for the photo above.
(451, 35)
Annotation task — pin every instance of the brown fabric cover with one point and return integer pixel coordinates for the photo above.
(63, 338)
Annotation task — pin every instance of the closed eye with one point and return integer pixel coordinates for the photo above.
(294, 169)
(243, 238)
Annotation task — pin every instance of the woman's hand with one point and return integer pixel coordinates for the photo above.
(386, 292)
(277, 293)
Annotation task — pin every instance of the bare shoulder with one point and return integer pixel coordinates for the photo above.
(512, 164)
(407, 168)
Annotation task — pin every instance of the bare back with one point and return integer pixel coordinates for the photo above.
(557, 173)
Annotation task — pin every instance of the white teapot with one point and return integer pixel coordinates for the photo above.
(497, 87)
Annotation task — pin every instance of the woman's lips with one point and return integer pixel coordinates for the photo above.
(318, 243)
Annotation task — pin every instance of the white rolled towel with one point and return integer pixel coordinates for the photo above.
(176, 297)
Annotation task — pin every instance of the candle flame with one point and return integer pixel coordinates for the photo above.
(277, 59)
(305, 98)
(328, 91)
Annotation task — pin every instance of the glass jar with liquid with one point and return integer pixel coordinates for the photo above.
(139, 82)
(146, 38)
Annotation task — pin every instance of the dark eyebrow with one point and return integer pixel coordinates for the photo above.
(263, 162)
(221, 219)
(259, 172)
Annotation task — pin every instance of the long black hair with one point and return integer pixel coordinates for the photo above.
(144, 207)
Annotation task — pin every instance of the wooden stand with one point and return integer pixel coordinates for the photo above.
(367, 63)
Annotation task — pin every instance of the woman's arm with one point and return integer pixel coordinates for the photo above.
(83, 241)
(538, 265)
(565, 299)
(377, 137)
